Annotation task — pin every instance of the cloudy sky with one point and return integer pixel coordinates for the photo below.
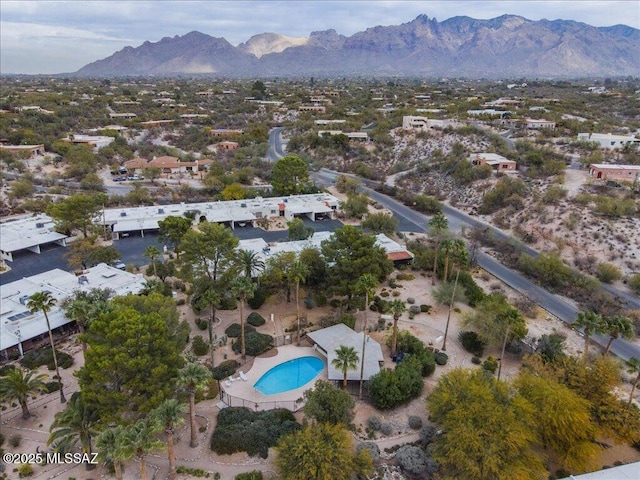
(44, 36)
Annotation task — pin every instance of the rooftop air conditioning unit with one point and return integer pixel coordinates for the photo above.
(24, 299)
(243, 205)
(123, 214)
(161, 210)
(39, 225)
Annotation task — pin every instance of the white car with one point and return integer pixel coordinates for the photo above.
(119, 264)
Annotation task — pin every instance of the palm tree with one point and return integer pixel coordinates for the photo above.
(633, 365)
(243, 288)
(19, 385)
(453, 298)
(346, 359)
(592, 323)
(510, 318)
(298, 274)
(169, 415)
(111, 448)
(152, 252)
(140, 439)
(45, 302)
(617, 326)
(248, 263)
(192, 378)
(74, 424)
(437, 226)
(366, 284)
(455, 250)
(397, 308)
(213, 299)
(83, 307)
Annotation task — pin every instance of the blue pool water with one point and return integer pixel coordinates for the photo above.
(289, 375)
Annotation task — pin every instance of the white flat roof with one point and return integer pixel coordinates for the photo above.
(27, 232)
(630, 471)
(331, 338)
(18, 324)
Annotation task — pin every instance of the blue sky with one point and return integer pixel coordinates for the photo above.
(38, 36)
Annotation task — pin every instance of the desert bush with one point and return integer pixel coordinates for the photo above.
(25, 470)
(374, 423)
(202, 324)
(441, 358)
(255, 343)
(238, 429)
(225, 369)
(196, 472)
(386, 429)
(411, 300)
(473, 292)
(409, 344)
(415, 309)
(476, 360)
(412, 459)
(309, 303)
(15, 440)
(634, 282)
(425, 308)
(348, 319)
(372, 448)
(44, 356)
(258, 299)
(415, 422)
(426, 434)
(490, 364)
(52, 386)
(255, 319)
(608, 273)
(252, 475)
(472, 343)
(199, 346)
(234, 330)
(390, 388)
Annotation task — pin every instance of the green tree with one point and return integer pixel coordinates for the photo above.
(551, 347)
(366, 284)
(75, 424)
(328, 404)
(151, 173)
(278, 271)
(103, 254)
(290, 176)
(172, 229)
(76, 212)
(92, 181)
(488, 432)
(380, 223)
(591, 323)
(22, 188)
(44, 302)
(192, 378)
(152, 252)
(491, 319)
(397, 308)
(132, 360)
(243, 289)
(110, 445)
(19, 385)
(633, 367)
(351, 253)
(348, 185)
(140, 440)
(317, 265)
(444, 294)
(389, 388)
(617, 326)
(320, 452)
(438, 225)
(346, 358)
(84, 306)
(169, 416)
(297, 230)
(208, 251)
(234, 191)
(356, 206)
(248, 263)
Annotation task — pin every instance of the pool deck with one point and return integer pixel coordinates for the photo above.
(244, 389)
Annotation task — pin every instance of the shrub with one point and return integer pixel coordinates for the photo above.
(6, 369)
(25, 470)
(309, 302)
(234, 330)
(181, 301)
(252, 475)
(196, 472)
(255, 319)
(390, 388)
(608, 273)
(472, 291)
(372, 448)
(15, 440)
(374, 423)
(44, 356)
(426, 434)
(321, 299)
(441, 358)
(634, 282)
(415, 422)
(425, 308)
(348, 319)
(472, 343)
(384, 294)
(386, 429)
(411, 300)
(199, 346)
(238, 429)
(490, 364)
(225, 369)
(412, 459)
(476, 360)
(409, 344)
(202, 324)
(258, 299)
(415, 309)
(52, 386)
(255, 343)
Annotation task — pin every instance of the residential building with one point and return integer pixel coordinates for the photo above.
(228, 146)
(20, 329)
(414, 122)
(605, 171)
(312, 108)
(608, 140)
(495, 161)
(167, 164)
(533, 124)
(95, 142)
(30, 150)
(28, 233)
(225, 132)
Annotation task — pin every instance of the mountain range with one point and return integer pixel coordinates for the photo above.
(503, 47)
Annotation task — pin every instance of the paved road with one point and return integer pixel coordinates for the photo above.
(555, 305)
(276, 150)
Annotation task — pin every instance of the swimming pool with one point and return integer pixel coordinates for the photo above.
(289, 375)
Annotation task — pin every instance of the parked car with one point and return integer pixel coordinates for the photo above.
(119, 264)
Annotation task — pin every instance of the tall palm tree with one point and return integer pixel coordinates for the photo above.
(437, 226)
(192, 378)
(298, 274)
(346, 359)
(110, 445)
(509, 318)
(455, 251)
(366, 284)
(397, 308)
(248, 263)
(453, 298)
(19, 384)
(75, 424)
(169, 415)
(633, 367)
(617, 326)
(591, 323)
(243, 288)
(44, 302)
(152, 252)
(140, 439)
(213, 299)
